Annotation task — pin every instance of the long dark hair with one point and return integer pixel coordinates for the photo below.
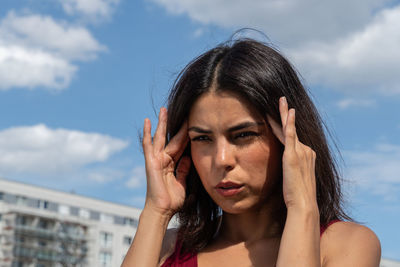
(261, 75)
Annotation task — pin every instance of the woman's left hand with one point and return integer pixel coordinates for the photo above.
(298, 163)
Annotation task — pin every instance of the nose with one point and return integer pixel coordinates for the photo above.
(224, 155)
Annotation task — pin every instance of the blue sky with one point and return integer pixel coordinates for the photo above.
(77, 79)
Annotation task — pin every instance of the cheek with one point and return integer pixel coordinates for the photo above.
(256, 159)
(195, 155)
(261, 161)
(268, 161)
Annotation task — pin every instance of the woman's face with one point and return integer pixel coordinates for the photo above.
(234, 152)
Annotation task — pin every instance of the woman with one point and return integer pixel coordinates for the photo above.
(241, 157)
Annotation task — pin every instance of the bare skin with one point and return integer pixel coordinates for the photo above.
(247, 236)
(248, 155)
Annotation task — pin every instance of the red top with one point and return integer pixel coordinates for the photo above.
(187, 260)
(190, 260)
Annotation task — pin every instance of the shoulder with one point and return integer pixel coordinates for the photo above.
(168, 245)
(350, 244)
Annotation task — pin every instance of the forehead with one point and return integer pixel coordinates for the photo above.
(221, 108)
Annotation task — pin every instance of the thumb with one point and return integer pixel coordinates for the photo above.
(182, 170)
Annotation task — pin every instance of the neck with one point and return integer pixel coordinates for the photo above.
(250, 226)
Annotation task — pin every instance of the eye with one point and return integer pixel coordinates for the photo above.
(201, 138)
(245, 135)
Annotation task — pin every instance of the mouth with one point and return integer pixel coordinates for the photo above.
(228, 189)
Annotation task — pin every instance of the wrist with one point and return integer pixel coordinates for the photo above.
(306, 211)
(155, 215)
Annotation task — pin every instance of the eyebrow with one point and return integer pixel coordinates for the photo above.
(240, 126)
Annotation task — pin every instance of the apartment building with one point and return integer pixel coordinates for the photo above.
(42, 227)
(389, 263)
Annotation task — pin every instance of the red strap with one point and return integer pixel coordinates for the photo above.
(178, 260)
(324, 227)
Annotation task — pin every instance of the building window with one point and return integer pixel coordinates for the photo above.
(105, 239)
(21, 220)
(127, 240)
(94, 215)
(17, 264)
(63, 209)
(43, 224)
(74, 211)
(19, 239)
(43, 204)
(105, 259)
(106, 218)
(84, 213)
(130, 221)
(118, 220)
(23, 201)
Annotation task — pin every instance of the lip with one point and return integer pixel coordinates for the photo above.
(228, 189)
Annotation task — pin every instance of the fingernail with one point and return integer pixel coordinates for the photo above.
(163, 110)
(283, 100)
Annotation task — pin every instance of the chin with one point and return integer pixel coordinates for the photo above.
(238, 207)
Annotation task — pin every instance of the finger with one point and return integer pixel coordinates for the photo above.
(290, 131)
(183, 170)
(283, 110)
(159, 136)
(178, 143)
(146, 142)
(276, 129)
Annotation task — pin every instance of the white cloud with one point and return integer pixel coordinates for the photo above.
(366, 61)
(198, 33)
(345, 45)
(94, 9)
(355, 102)
(22, 67)
(37, 51)
(43, 32)
(39, 149)
(103, 175)
(287, 21)
(376, 170)
(137, 178)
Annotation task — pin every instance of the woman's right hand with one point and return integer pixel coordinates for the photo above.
(165, 192)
